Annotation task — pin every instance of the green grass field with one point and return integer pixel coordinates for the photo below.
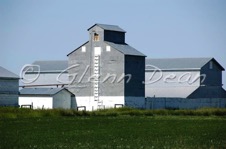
(122, 131)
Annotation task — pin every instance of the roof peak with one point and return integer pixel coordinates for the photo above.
(4, 73)
(108, 27)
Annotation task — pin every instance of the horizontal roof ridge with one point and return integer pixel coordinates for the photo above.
(41, 91)
(108, 27)
(180, 63)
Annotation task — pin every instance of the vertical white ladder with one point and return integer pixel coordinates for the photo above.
(96, 78)
(96, 81)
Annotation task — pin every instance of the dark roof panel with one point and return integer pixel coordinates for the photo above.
(4, 73)
(108, 27)
(125, 49)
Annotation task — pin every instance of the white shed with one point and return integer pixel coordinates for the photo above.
(45, 98)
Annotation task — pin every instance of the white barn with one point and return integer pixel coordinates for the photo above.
(45, 98)
(184, 78)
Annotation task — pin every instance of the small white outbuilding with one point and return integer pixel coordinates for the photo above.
(45, 98)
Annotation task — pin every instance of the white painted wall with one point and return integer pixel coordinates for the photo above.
(38, 102)
(62, 100)
(175, 92)
(108, 102)
(172, 78)
(171, 83)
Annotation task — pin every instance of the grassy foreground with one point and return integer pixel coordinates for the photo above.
(49, 129)
(28, 113)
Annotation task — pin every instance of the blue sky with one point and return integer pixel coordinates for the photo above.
(50, 29)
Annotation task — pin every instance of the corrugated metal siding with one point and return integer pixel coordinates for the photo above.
(62, 100)
(171, 83)
(111, 63)
(135, 66)
(8, 99)
(79, 62)
(214, 75)
(183, 103)
(9, 86)
(9, 89)
(116, 37)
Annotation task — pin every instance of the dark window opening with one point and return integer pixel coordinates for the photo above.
(96, 37)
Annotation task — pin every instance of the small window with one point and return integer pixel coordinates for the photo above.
(96, 37)
(83, 49)
(211, 65)
(97, 51)
(108, 48)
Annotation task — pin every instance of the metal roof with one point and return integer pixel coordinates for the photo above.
(50, 66)
(108, 27)
(178, 63)
(78, 47)
(125, 49)
(41, 91)
(4, 73)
